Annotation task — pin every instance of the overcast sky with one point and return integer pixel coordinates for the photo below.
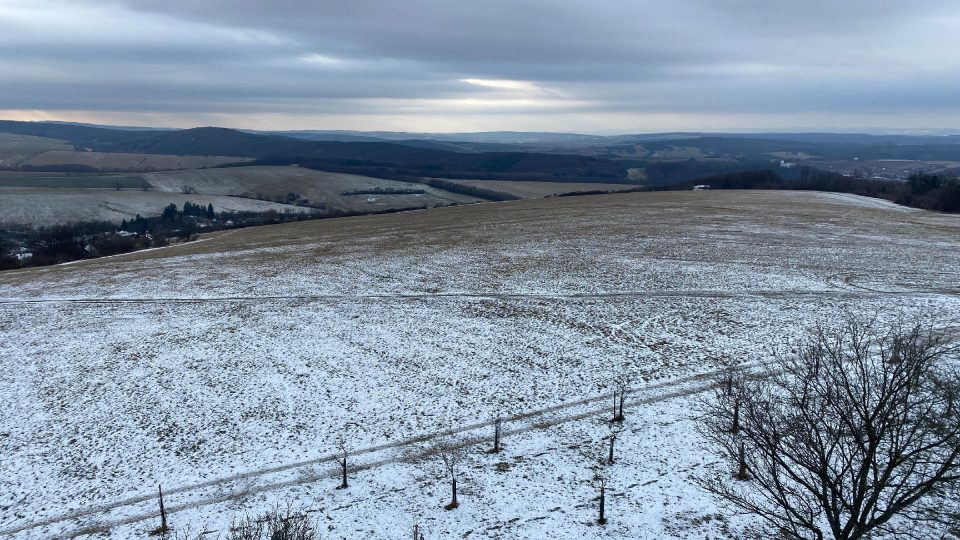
(450, 65)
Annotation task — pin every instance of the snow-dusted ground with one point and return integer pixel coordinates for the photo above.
(225, 369)
(46, 206)
(323, 187)
(857, 200)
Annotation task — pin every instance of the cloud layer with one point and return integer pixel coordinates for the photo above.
(601, 66)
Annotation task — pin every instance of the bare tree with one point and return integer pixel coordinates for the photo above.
(855, 434)
(279, 524)
(615, 430)
(729, 375)
(598, 465)
(343, 451)
(621, 384)
(601, 480)
(451, 454)
(497, 430)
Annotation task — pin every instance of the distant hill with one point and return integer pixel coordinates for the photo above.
(648, 158)
(842, 148)
(386, 159)
(79, 135)
(489, 137)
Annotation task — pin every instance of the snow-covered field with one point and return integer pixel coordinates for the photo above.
(323, 187)
(226, 369)
(46, 206)
(227, 189)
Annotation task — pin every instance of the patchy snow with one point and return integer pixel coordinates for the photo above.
(46, 206)
(866, 202)
(540, 483)
(226, 369)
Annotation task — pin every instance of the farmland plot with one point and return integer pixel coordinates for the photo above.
(336, 191)
(226, 368)
(532, 190)
(16, 149)
(48, 206)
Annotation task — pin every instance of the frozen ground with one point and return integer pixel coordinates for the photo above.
(226, 369)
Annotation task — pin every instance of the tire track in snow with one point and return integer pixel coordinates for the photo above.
(706, 381)
(684, 293)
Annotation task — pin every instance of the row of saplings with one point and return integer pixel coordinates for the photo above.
(853, 434)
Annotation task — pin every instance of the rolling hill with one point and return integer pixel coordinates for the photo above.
(225, 369)
(372, 158)
(663, 158)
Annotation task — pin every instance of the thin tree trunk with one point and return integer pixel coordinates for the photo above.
(742, 463)
(735, 428)
(453, 500)
(610, 457)
(623, 397)
(163, 512)
(603, 518)
(343, 469)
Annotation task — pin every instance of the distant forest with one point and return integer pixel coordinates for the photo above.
(93, 239)
(939, 192)
(610, 160)
(23, 246)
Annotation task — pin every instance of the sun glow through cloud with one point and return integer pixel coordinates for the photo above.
(505, 84)
(620, 66)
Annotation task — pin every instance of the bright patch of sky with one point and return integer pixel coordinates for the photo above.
(430, 65)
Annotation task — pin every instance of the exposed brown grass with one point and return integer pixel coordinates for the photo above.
(828, 235)
(536, 190)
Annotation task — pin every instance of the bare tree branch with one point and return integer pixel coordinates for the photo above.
(856, 433)
(452, 454)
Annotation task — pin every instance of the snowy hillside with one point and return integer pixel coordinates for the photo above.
(227, 368)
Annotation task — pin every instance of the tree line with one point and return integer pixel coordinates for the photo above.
(467, 189)
(940, 192)
(57, 244)
(23, 246)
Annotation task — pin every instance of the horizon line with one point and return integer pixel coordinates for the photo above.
(874, 131)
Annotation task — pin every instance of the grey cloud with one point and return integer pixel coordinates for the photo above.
(680, 57)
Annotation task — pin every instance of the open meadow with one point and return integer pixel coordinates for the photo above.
(16, 149)
(46, 198)
(335, 191)
(38, 206)
(226, 369)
